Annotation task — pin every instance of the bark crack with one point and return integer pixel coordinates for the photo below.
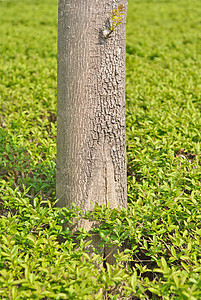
(106, 197)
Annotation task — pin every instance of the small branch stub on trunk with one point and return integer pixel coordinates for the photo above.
(115, 19)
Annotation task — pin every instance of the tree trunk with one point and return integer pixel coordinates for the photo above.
(91, 138)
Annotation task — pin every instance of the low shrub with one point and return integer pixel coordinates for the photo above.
(159, 233)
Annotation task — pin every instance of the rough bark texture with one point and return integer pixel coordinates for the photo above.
(91, 139)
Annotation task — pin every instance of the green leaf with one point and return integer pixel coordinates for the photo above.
(173, 252)
(164, 265)
(134, 281)
(176, 280)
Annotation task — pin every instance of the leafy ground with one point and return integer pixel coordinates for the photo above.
(162, 225)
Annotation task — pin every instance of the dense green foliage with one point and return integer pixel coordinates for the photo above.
(162, 226)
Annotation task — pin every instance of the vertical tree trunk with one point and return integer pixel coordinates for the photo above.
(91, 139)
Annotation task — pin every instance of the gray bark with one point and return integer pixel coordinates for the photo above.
(91, 138)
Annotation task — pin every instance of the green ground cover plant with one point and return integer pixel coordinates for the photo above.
(161, 229)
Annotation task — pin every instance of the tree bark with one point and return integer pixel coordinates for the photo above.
(91, 134)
